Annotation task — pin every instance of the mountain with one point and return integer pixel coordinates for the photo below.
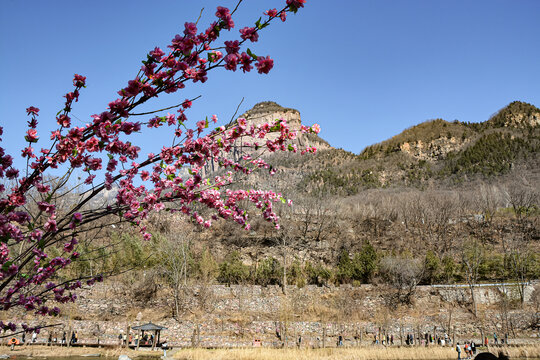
(416, 191)
(435, 153)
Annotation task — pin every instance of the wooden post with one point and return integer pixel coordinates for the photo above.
(401, 334)
(324, 335)
(128, 329)
(139, 335)
(482, 335)
(154, 340)
(70, 334)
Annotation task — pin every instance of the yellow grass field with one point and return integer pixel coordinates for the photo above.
(362, 353)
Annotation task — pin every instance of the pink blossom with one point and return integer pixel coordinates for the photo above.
(264, 65)
(89, 179)
(296, 3)
(31, 135)
(222, 12)
(79, 80)
(232, 47)
(231, 61)
(214, 55)
(246, 61)
(190, 29)
(50, 225)
(249, 33)
(63, 120)
(32, 110)
(156, 54)
(271, 12)
(201, 125)
(28, 152)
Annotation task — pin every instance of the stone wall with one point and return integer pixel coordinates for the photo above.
(234, 316)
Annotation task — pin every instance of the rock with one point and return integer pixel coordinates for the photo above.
(124, 357)
(139, 316)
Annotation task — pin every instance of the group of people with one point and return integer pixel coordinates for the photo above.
(52, 339)
(423, 340)
(146, 339)
(469, 348)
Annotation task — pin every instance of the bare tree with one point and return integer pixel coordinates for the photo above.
(517, 247)
(173, 256)
(403, 275)
(472, 259)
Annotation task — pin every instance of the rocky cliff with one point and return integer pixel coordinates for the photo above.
(269, 111)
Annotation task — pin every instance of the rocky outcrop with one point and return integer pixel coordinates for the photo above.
(269, 111)
(435, 149)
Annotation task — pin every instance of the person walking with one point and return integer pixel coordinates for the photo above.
(164, 347)
(458, 349)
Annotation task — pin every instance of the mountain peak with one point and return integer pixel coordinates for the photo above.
(267, 107)
(516, 114)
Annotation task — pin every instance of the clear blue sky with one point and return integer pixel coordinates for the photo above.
(364, 70)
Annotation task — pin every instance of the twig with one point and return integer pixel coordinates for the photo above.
(234, 115)
(199, 18)
(22, 331)
(167, 108)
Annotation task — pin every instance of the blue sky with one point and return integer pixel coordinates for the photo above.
(364, 70)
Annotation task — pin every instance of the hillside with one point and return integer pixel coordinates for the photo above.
(434, 153)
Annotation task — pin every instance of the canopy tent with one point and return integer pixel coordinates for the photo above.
(149, 327)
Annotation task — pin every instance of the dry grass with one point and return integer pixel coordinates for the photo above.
(364, 353)
(57, 351)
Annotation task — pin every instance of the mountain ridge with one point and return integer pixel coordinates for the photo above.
(433, 153)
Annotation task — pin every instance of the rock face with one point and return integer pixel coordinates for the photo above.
(436, 149)
(269, 111)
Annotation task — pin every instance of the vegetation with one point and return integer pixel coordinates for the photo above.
(447, 152)
(492, 154)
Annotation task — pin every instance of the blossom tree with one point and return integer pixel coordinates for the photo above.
(31, 222)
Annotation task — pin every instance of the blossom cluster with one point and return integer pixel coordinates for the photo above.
(174, 179)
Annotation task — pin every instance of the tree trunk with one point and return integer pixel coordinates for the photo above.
(284, 285)
(471, 288)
